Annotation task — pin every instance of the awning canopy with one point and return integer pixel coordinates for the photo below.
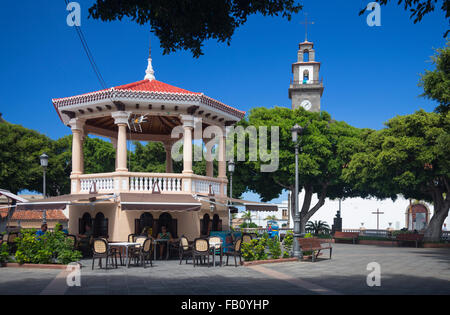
(232, 202)
(159, 202)
(10, 195)
(60, 202)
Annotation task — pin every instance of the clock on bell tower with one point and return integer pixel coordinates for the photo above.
(306, 88)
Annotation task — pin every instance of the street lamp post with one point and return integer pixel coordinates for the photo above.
(296, 131)
(44, 163)
(231, 167)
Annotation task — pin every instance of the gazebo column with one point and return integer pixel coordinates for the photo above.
(77, 153)
(169, 162)
(77, 145)
(188, 126)
(121, 120)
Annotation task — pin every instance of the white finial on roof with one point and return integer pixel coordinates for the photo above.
(149, 73)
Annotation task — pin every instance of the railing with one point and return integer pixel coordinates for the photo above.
(101, 184)
(300, 82)
(150, 183)
(147, 182)
(203, 185)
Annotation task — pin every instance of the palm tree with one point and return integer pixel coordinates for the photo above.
(271, 217)
(318, 227)
(247, 216)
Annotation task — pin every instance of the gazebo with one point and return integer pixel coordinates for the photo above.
(120, 203)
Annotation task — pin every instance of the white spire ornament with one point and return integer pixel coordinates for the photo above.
(149, 73)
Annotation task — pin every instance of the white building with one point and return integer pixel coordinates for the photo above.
(282, 215)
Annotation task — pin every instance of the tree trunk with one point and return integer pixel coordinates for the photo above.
(434, 229)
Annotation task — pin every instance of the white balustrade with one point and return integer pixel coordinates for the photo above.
(202, 186)
(103, 184)
(141, 183)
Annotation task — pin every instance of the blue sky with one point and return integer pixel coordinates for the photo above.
(370, 73)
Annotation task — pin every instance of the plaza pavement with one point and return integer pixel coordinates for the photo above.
(403, 271)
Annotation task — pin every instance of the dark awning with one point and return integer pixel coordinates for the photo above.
(60, 202)
(249, 205)
(159, 202)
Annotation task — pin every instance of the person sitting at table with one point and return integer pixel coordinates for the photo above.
(164, 235)
(147, 231)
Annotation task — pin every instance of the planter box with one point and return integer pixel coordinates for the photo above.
(35, 266)
(436, 245)
(379, 243)
(268, 261)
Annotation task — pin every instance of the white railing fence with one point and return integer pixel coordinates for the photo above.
(100, 184)
(147, 183)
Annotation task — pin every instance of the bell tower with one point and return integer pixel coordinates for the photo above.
(306, 88)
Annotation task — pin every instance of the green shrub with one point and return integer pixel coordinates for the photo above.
(49, 247)
(288, 242)
(255, 250)
(274, 247)
(4, 253)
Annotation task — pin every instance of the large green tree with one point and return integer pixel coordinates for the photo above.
(436, 83)
(409, 157)
(326, 147)
(20, 149)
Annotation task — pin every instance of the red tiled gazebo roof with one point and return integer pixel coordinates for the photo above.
(154, 86)
(147, 89)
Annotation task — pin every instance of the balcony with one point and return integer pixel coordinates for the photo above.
(148, 183)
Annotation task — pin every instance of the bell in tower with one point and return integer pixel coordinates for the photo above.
(306, 88)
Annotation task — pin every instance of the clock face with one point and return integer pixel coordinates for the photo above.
(306, 104)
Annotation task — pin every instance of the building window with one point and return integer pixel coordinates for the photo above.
(100, 225)
(284, 213)
(86, 219)
(205, 225)
(216, 223)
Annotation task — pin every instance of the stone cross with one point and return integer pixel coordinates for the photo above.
(378, 217)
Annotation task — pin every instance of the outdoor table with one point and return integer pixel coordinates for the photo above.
(125, 245)
(212, 245)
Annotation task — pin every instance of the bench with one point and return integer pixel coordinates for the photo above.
(409, 237)
(346, 236)
(314, 245)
